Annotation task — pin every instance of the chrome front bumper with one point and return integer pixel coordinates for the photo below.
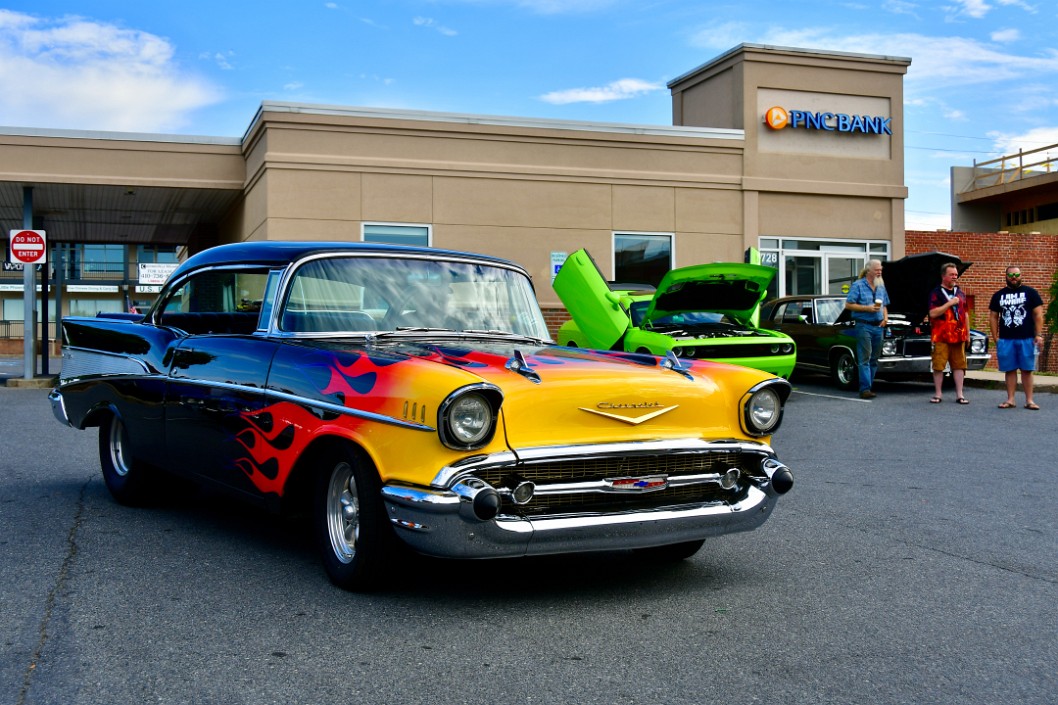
(442, 522)
(922, 365)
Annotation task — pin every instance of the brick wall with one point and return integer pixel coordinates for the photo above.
(555, 317)
(991, 253)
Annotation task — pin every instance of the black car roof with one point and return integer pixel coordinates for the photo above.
(275, 252)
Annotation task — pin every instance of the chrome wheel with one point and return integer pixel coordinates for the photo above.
(128, 479)
(119, 442)
(844, 370)
(343, 512)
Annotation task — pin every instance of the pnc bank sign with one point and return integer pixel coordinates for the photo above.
(780, 118)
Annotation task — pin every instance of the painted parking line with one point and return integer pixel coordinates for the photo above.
(832, 396)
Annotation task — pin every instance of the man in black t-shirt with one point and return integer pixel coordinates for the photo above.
(1015, 316)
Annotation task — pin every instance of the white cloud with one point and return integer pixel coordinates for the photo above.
(971, 8)
(617, 90)
(720, 36)
(551, 7)
(432, 24)
(1006, 35)
(947, 61)
(1027, 141)
(76, 73)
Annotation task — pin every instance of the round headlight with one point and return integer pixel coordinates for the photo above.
(470, 419)
(977, 345)
(787, 348)
(889, 347)
(763, 412)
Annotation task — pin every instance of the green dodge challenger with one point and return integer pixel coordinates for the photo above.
(705, 311)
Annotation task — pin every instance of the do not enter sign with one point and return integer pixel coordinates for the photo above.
(28, 247)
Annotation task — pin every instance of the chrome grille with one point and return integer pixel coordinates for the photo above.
(590, 470)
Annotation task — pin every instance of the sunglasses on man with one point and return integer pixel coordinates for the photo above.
(1014, 275)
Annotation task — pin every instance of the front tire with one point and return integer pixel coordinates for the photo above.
(127, 479)
(843, 370)
(351, 531)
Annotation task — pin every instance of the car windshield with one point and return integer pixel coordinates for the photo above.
(371, 294)
(688, 318)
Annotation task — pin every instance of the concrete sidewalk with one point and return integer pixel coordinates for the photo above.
(994, 379)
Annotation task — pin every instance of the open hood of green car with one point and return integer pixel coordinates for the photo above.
(592, 305)
(734, 289)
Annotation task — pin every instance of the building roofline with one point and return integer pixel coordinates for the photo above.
(494, 120)
(118, 136)
(822, 53)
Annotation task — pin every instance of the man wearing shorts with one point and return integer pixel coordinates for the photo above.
(1015, 315)
(950, 331)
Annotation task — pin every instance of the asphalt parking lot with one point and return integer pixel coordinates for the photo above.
(915, 561)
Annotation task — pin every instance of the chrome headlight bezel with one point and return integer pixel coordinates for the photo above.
(888, 347)
(978, 345)
(763, 406)
(477, 400)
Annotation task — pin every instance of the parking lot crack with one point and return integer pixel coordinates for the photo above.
(53, 594)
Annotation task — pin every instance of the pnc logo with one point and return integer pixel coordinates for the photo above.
(776, 118)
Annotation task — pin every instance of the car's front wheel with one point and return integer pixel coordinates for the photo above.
(843, 370)
(352, 534)
(127, 479)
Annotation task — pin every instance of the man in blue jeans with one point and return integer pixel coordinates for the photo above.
(868, 302)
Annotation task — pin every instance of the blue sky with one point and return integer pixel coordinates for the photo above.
(982, 81)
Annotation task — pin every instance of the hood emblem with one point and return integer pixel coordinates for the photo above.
(651, 410)
(649, 483)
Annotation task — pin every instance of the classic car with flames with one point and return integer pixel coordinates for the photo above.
(412, 397)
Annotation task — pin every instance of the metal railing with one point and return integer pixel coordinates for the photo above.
(1013, 167)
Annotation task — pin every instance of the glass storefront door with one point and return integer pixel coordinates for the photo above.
(841, 271)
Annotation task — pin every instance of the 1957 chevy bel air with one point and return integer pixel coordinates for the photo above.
(412, 397)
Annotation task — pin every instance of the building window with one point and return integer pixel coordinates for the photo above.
(164, 254)
(641, 258)
(104, 259)
(817, 266)
(397, 234)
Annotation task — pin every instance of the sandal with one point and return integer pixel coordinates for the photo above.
(1032, 405)
(1007, 405)
(935, 400)
(962, 400)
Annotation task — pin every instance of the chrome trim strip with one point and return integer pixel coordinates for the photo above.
(450, 474)
(305, 401)
(602, 486)
(83, 363)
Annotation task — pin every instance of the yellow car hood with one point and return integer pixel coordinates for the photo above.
(573, 396)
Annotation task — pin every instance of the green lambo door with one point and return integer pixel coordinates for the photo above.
(705, 311)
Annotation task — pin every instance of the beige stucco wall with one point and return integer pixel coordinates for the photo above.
(516, 192)
(800, 183)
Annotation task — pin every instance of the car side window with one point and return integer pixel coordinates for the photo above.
(790, 312)
(216, 301)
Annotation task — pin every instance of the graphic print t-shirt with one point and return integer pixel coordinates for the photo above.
(1015, 311)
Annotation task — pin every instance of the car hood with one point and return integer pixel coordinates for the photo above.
(734, 289)
(558, 390)
(909, 280)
